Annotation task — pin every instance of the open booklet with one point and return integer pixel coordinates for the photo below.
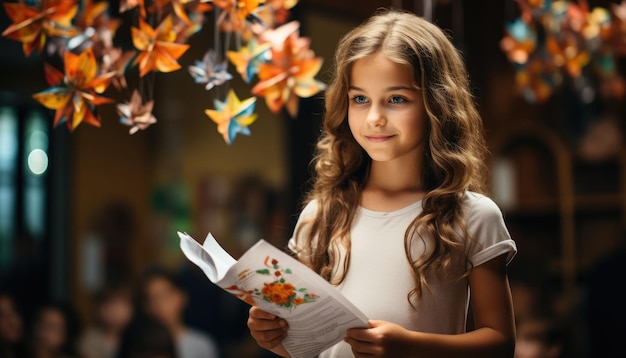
(317, 313)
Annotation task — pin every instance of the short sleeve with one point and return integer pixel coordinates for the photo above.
(485, 224)
(294, 244)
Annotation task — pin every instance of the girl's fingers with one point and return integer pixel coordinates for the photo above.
(266, 324)
(270, 338)
(256, 312)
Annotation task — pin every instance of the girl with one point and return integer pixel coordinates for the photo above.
(395, 218)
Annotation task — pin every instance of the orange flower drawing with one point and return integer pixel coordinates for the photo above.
(280, 292)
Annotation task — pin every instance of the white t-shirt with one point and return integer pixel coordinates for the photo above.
(379, 275)
(193, 344)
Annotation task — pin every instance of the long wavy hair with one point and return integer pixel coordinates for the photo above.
(453, 154)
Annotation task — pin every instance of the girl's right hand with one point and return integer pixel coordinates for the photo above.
(267, 329)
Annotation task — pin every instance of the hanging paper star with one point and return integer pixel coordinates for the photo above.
(209, 72)
(74, 94)
(126, 5)
(136, 114)
(159, 51)
(277, 37)
(97, 28)
(519, 42)
(178, 6)
(290, 74)
(248, 58)
(535, 80)
(116, 61)
(31, 25)
(280, 9)
(235, 12)
(567, 54)
(95, 25)
(617, 40)
(233, 116)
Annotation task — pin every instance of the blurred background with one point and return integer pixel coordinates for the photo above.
(97, 209)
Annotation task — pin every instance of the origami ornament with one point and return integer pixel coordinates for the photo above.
(97, 29)
(233, 116)
(74, 95)
(277, 37)
(116, 61)
(553, 40)
(618, 29)
(32, 26)
(209, 72)
(178, 6)
(568, 55)
(234, 13)
(158, 49)
(126, 5)
(248, 59)
(519, 42)
(280, 8)
(136, 114)
(290, 74)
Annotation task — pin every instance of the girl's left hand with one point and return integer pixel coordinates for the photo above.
(381, 339)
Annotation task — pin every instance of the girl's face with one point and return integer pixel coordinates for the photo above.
(385, 112)
(50, 330)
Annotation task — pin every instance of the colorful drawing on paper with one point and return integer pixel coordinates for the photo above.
(280, 291)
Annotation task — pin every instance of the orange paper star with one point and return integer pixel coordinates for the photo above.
(74, 95)
(32, 25)
(159, 51)
(290, 74)
(234, 13)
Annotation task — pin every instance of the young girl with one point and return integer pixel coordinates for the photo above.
(395, 218)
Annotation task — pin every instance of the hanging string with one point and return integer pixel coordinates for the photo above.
(458, 23)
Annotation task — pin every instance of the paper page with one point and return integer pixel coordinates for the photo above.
(210, 257)
(317, 313)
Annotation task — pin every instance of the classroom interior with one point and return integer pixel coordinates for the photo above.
(107, 204)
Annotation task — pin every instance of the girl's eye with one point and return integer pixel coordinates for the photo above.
(397, 100)
(359, 99)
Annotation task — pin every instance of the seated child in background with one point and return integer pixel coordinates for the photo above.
(113, 311)
(11, 328)
(146, 337)
(55, 332)
(164, 298)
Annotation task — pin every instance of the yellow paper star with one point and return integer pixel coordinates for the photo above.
(74, 94)
(233, 116)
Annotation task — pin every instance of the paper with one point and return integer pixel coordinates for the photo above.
(317, 314)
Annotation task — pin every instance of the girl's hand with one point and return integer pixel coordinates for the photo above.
(381, 339)
(267, 329)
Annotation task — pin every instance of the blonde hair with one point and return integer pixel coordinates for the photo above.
(454, 151)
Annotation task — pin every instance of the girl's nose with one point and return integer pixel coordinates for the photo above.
(376, 116)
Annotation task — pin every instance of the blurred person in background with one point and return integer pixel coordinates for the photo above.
(539, 337)
(11, 328)
(54, 332)
(163, 297)
(146, 337)
(113, 311)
